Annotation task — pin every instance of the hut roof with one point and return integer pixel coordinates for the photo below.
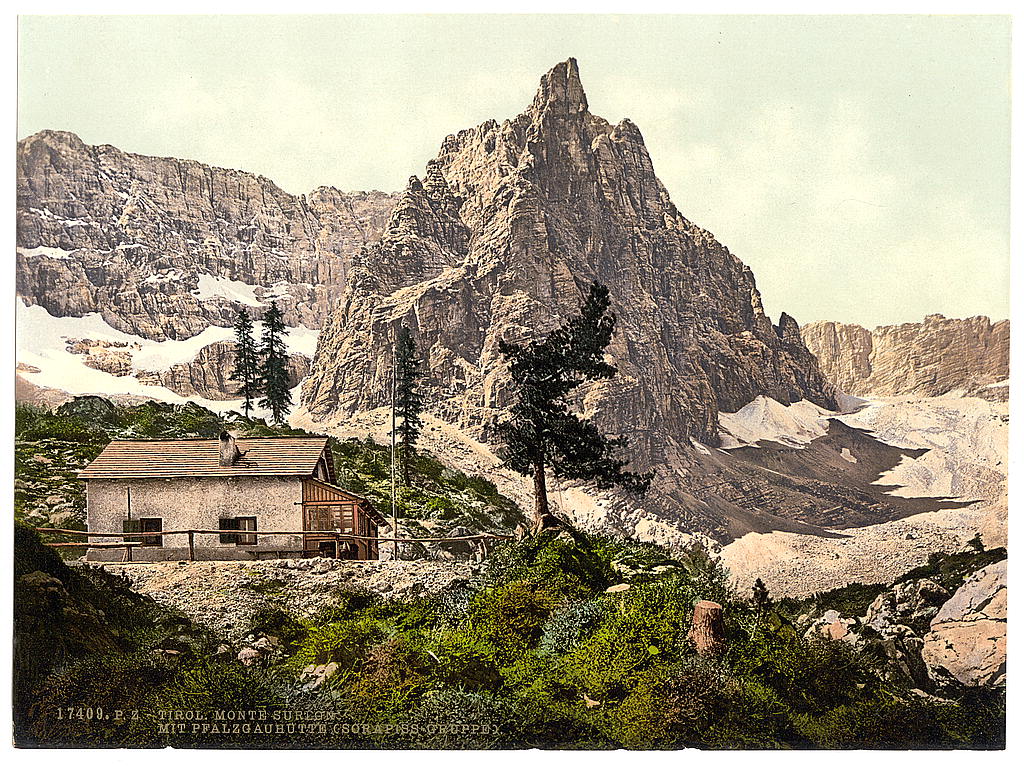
(268, 456)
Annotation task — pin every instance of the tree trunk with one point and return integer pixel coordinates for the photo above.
(708, 632)
(543, 519)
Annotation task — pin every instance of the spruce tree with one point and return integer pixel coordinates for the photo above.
(247, 363)
(274, 371)
(408, 399)
(542, 432)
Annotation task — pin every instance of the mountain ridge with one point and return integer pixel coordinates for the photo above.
(930, 358)
(130, 236)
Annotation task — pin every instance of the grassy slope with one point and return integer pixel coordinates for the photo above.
(539, 655)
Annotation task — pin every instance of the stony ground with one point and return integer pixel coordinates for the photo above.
(967, 458)
(224, 596)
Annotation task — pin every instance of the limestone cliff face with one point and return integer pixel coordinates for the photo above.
(928, 358)
(163, 248)
(207, 374)
(501, 238)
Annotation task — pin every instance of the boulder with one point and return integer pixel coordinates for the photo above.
(913, 603)
(247, 656)
(967, 640)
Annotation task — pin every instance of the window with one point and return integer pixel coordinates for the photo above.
(151, 525)
(238, 523)
(246, 523)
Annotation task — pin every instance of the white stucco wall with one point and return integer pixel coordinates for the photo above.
(197, 503)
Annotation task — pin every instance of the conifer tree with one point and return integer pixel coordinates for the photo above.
(542, 432)
(247, 363)
(274, 370)
(408, 399)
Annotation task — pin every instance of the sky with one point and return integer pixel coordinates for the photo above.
(858, 164)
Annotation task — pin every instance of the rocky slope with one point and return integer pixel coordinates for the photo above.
(224, 596)
(162, 248)
(501, 238)
(929, 358)
(930, 635)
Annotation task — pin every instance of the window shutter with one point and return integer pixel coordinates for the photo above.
(246, 523)
(229, 523)
(131, 526)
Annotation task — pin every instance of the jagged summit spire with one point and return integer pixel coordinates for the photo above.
(561, 88)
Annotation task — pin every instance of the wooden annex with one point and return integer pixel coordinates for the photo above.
(241, 499)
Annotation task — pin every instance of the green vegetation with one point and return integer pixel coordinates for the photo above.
(408, 399)
(538, 653)
(543, 431)
(274, 368)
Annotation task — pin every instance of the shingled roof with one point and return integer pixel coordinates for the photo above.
(270, 456)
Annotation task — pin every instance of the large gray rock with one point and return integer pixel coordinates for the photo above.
(130, 237)
(967, 641)
(928, 358)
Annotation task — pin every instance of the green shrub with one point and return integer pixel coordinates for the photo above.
(460, 719)
(510, 615)
(274, 621)
(885, 724)
(641, 628)
(811, 675)
(566, 563)
(569, 625)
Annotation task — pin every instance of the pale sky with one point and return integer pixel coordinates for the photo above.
(859, 165)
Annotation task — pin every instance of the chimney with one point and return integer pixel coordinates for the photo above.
(229, 452)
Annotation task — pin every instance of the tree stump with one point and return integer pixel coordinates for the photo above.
(708, 632)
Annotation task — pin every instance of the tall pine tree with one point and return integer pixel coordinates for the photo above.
(542, 432)
(247, 362)
(274, 372)
(408, 399)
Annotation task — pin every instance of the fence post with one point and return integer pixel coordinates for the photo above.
(191, 546)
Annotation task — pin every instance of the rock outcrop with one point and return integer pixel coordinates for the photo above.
(207, 374)
(163, 248)
(501, 238)
(967, 641)
(927, 358)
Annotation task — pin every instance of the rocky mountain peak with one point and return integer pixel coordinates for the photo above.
(929, 358)
(561, 91)
(511, 224)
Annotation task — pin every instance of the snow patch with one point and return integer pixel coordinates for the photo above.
(966, 439)
(211, 288)
(766, 420)
(42, 341)
(57, 254)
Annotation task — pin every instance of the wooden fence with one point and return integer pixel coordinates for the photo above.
(337, 535)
